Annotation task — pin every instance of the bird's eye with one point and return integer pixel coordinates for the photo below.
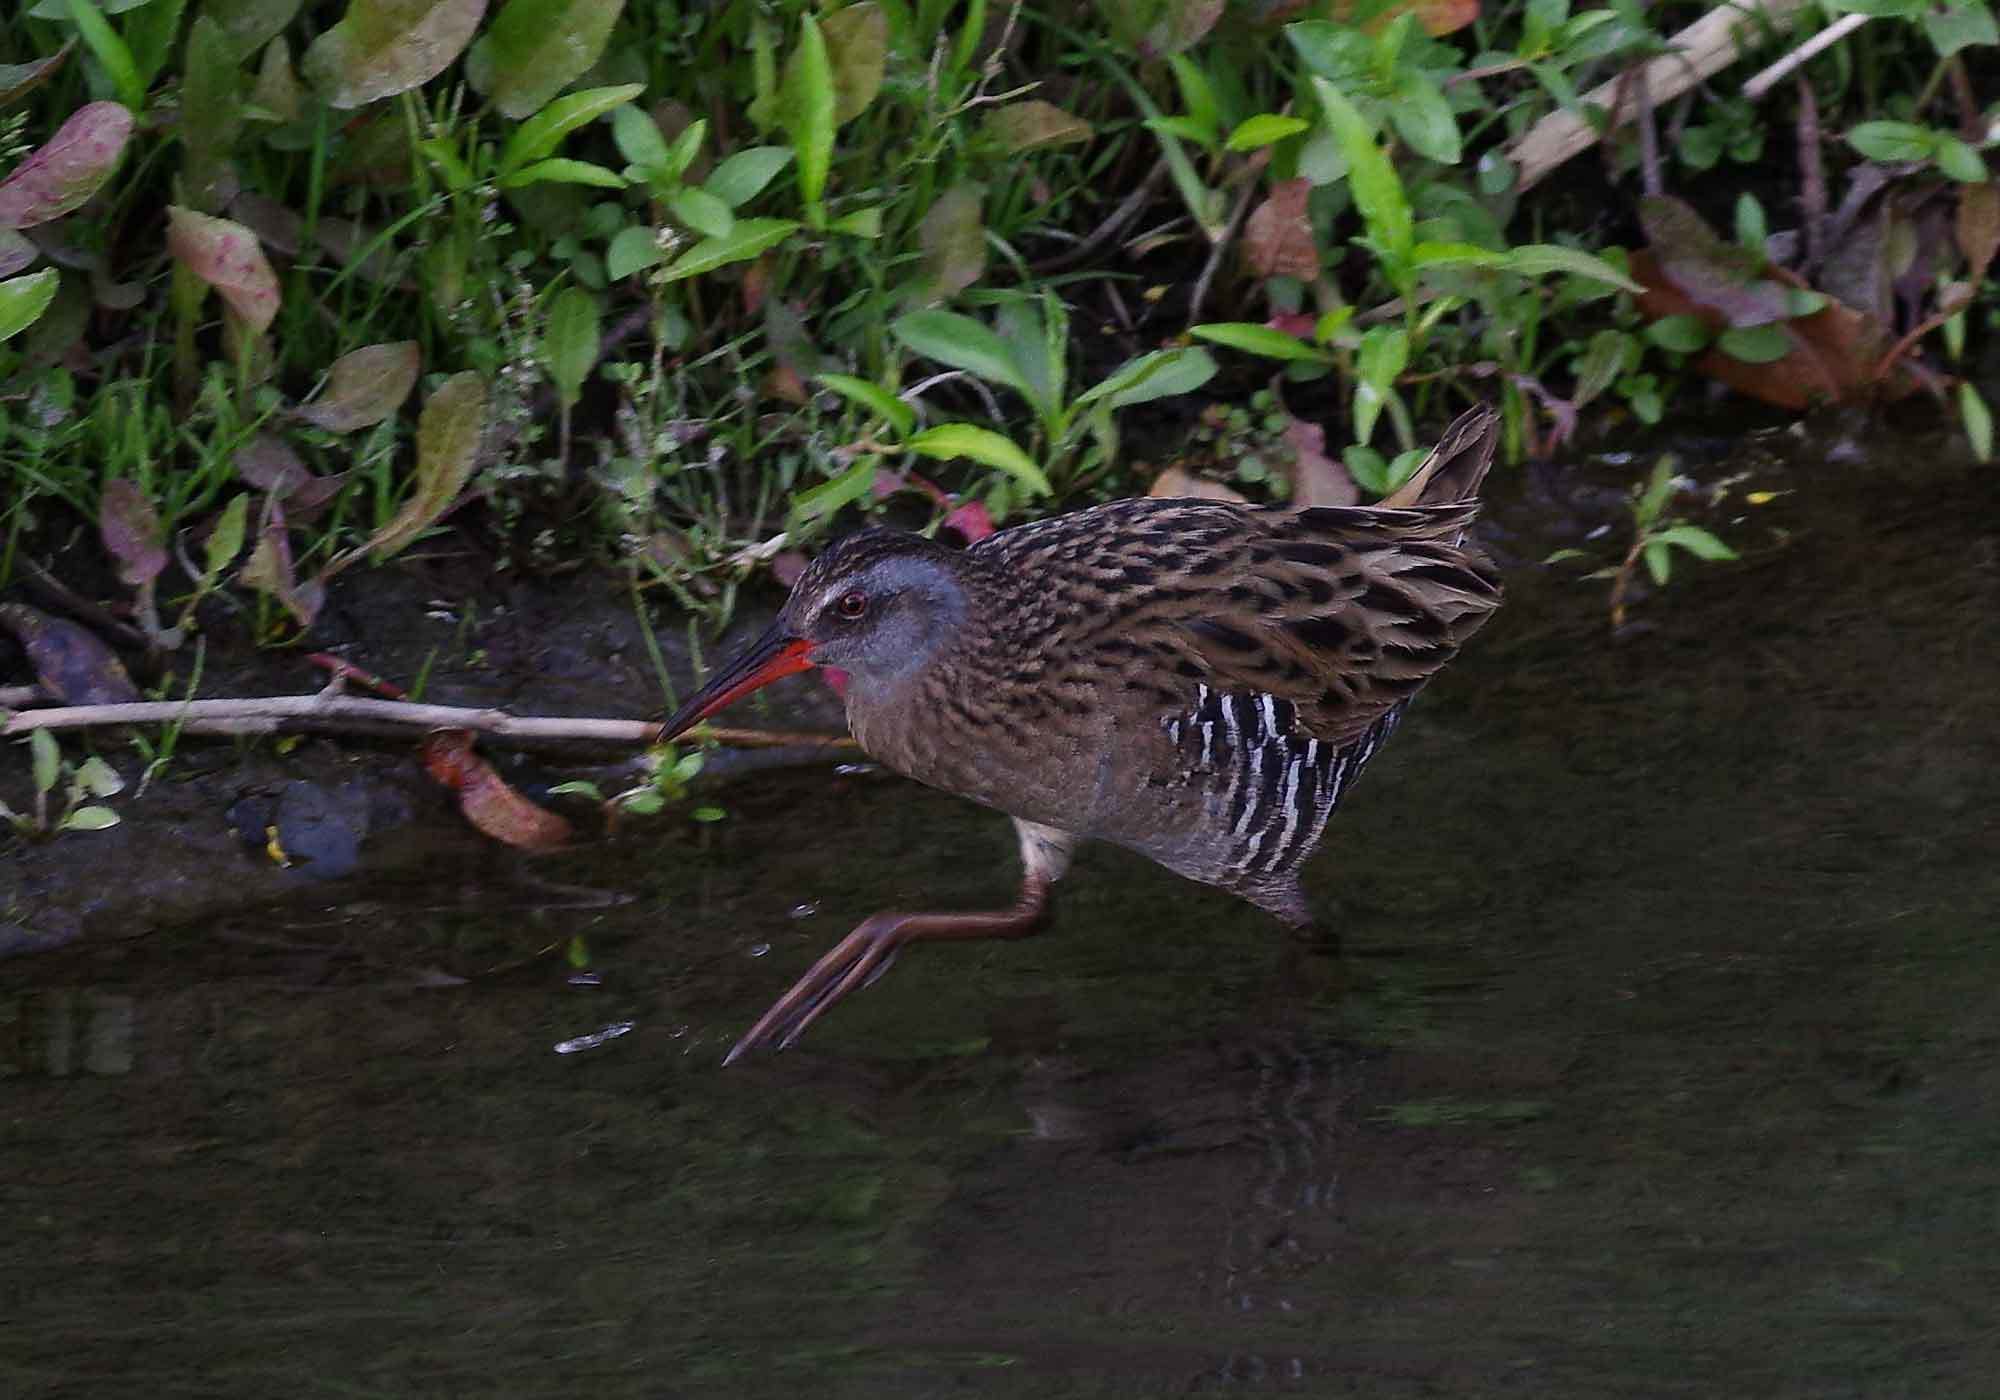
(852, 604)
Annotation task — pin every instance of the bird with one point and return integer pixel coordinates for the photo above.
(1197, 680)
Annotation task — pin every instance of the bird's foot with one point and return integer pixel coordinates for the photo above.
(854, 962)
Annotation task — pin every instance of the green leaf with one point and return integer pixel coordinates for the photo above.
(99, 778)
(850, 486)
(1455, 255)
(632, 250)
(742, 176)
(702, 212)
(536, 48)
(861, 223)
(1423, 117)
(1660, 486)
(540, 134)
(1204, 115)
(1384, 355)
(570, 341)
(46, 759)
(1537, 259)
(1659, 562)
(1960, 161)
(743, 242)
(1978, 421)
(1682, 334)
(874, 398)
(561, 171)
(1960, 25)
(707, 814)
(1159, 375)
(225, 541)
(1378, 190)
(24, 299)
(806, 101)
(1260, 340)
(1893, 141)
(962, 343)
(953, 238)
(1695, 541)
(1600, 364)
(90, 819)
(111, 51)
(150, 34)
(638, 139)
(982, 445)
(383, 47)
(1264, 129)
(1024, 126)
(448, 433)
(1755, 345)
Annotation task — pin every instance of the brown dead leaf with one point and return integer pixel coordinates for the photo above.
(1278, 237)
(71, 665)
(1177, 482)
(485, 798)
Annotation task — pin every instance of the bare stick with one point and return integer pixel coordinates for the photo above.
(1805, 53)
(358, 714)
(1705, 47)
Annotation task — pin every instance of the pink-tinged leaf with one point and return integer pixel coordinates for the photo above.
(365, 386)
(227, 256)
(1300, 324)
(1317, 479)
(132, 533)
(73, 166)
(269, 464)
(787, 567)
(1435, 16)
(857, 39)
(269, 570)
(17, 80)
(16, 252)
(1723, 276)
(973, 521)
(448, 434)
(954, 242)
(484, 797)
(71, 665)
(383, 47)
(1278, 237)
(250, 24)
(1021, 126)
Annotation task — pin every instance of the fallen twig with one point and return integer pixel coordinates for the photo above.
(274, 714)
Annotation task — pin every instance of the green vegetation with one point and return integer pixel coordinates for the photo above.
(283, 284)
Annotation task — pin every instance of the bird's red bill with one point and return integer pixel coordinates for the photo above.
(771, 657)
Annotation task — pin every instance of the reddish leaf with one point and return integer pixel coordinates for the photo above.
(1979, 226)
(1317, 479)
(1834, 353)
(973, 521)
(75, 163)
(365, 386)
(17, 80)
(1436, 16)
(1184, 24)
(131, 531)
(1712, 271)
(71, 665)
(485, 798)
(448, 434)
(270, 464)
(226, 255)
(1278, 237)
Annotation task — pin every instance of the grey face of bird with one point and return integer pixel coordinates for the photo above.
(877, 611)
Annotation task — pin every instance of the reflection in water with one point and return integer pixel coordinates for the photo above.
(1665, 1068)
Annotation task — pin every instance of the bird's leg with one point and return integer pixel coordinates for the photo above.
(866, 953)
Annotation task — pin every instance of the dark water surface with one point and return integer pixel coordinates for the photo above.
(1668, 1065)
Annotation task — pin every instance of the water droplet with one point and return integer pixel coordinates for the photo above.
(805, 910)
(585, 979)
(848, 770)
(595, 1038)
(757, 950)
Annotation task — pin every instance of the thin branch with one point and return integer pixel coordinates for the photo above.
(1805, 53)
(273, 714)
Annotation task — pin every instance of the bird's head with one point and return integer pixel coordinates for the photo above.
(878, 604)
